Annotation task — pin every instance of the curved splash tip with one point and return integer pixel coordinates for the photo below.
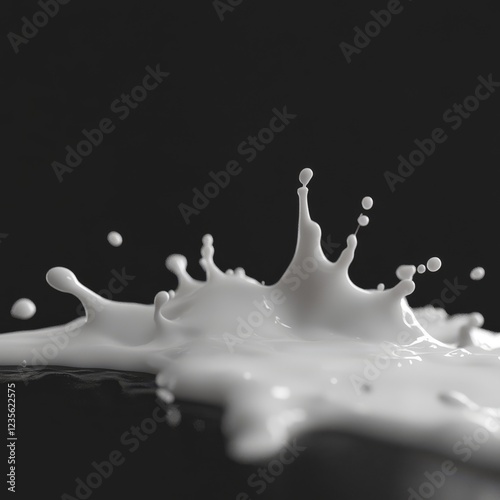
(64, 280)
(403, 288)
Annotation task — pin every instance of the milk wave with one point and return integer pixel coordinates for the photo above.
(313, 351)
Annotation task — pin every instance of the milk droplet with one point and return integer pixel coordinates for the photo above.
(367, 202)
(405, 272)
(380, 287)
(421, 269)
(115, 239)
(174, 416)
(23, 309)
(434, 264)
(363, 220)
(477, 273)
(305, 176)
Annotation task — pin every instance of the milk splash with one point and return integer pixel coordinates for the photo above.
(313, 351)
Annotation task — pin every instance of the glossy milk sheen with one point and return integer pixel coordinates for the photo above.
(313, 351)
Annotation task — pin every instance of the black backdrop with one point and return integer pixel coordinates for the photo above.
(225, 79)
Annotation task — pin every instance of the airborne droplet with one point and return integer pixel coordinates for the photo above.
(477, 273)
(363, 220)
(434, 264)
(367, 202)
(115, 239)
(23, 309)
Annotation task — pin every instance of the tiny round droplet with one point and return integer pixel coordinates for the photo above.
(367, 202)
(305, 176)
(434, 264)
(477, 273)
(363, 220)
(380, 287)
(23, 309)
(115, 239)
(421, 269)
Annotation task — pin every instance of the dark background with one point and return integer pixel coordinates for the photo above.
(353, 120)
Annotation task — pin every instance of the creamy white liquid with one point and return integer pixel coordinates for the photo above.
(23, 309)
(434, 264)
(421, 269)
(313, 351)
(115, 239)
(477, 274)
(367, 202)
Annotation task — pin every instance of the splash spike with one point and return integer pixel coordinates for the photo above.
(161, 298)
(309, 232)
(406, 272)
(64, 280)
(403, 288)
(207, 260)
(177, 264)
(347, 255)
